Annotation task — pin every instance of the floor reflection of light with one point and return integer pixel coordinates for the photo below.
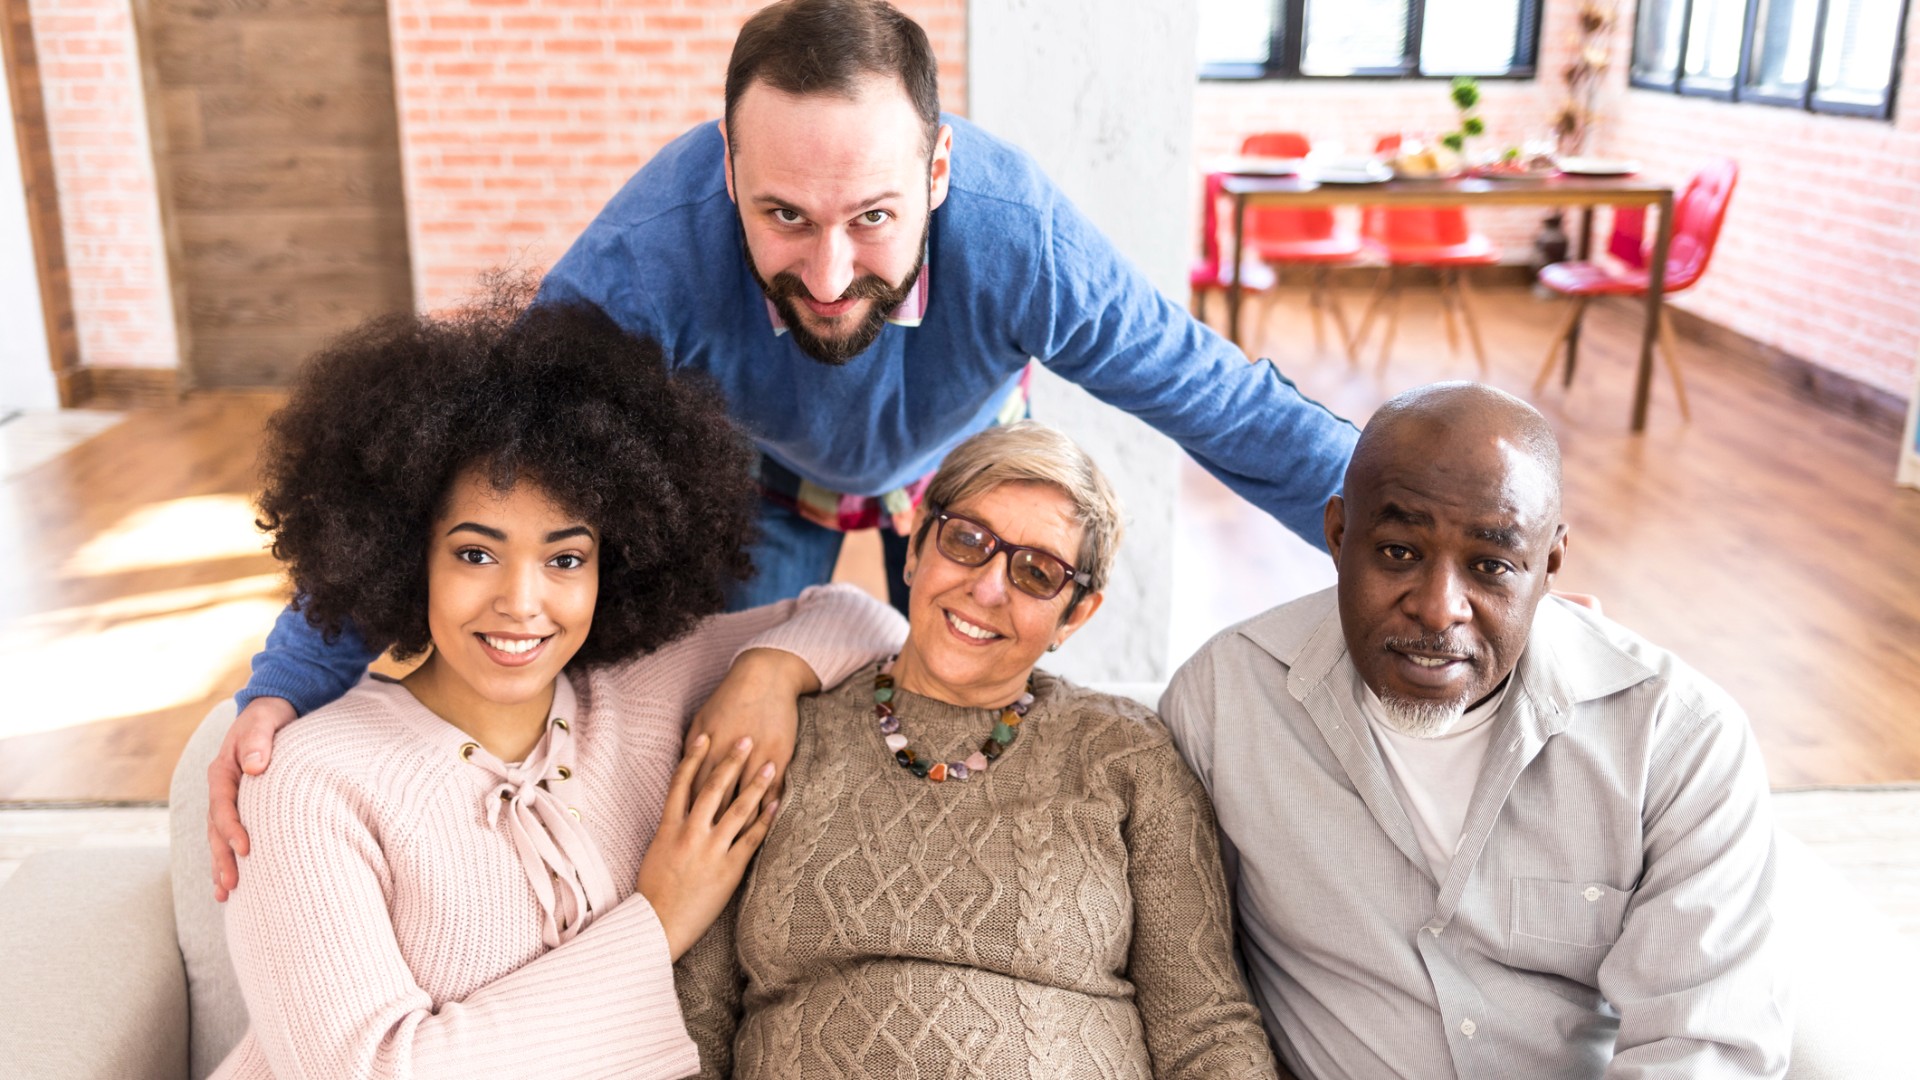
(171, 533)
(131, 656)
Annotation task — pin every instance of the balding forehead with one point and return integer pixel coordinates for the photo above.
(1455, 418)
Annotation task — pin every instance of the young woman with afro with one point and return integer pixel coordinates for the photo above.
(488, 867)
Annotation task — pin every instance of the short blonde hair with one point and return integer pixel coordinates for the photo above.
(1028, 451)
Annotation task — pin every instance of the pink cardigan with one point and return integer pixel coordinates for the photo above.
(385, 924)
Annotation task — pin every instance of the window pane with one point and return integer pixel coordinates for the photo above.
(1469, 37)
(1782, 46)
(1345, 36)
(1236, 31)
(1656, 42)
(1856, 54)
(1713, 42)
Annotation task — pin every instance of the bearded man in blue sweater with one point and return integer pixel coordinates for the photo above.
(866, 279)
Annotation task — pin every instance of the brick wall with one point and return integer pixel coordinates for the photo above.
(1820, 255)
(103, 168)
(519, 118)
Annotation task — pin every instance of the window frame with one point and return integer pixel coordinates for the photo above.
(1285, 48)
(1808, 100)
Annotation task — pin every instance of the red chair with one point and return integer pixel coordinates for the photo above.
(1306, 237)
(1697, 217)
(1424, 236)
(1209, 273)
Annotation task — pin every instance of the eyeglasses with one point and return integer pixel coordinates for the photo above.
(1039, 574)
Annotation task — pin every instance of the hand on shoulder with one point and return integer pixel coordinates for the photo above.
(247, 749)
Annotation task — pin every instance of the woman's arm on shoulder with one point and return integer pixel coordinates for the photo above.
(1199, 1020)
(329, 992)
(831, 629)
(745, 670)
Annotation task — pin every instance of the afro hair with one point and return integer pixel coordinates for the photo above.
(360, 461)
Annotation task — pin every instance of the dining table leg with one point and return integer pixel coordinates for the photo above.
(1586, 231)
(1573, 356)
(1233, 280)
(1656, 295)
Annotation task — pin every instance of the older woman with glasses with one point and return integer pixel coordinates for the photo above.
(981, 869)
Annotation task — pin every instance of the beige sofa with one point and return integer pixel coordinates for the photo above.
(115, 966)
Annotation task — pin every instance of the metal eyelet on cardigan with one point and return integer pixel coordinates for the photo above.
(467, 749)
(561, 724)
(565, 773)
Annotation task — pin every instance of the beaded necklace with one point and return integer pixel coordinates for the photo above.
(916, 762)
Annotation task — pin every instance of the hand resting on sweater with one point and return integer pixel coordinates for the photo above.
(246, 749)
(701, 851)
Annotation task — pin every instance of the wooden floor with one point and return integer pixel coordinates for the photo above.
(133, 589)
(1764, 542)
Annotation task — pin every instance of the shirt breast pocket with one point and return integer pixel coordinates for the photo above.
(1565, 928)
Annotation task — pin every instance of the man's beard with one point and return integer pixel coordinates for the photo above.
(1421, 719)
(787, 291)
(1424, 718)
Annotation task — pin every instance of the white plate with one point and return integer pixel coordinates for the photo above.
(1591, 166)
(1369, 173)
(1243, 165)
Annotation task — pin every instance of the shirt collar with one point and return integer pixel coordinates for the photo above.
(911, 311)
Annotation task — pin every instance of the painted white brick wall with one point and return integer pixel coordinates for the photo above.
(1101, 94)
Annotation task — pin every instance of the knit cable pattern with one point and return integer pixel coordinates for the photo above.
(1061, 917)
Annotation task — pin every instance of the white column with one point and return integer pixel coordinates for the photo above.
(26, 365)
(1100, 92)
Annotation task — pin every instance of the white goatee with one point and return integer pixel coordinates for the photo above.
(1421, 719)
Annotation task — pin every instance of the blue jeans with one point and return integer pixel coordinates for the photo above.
(793, 553)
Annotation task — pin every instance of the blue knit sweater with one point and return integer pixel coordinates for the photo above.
(1014, 271)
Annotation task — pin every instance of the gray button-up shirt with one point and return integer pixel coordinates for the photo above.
(1606, 912)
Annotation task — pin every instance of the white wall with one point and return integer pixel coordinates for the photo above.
(26, 367)
(1101, 94)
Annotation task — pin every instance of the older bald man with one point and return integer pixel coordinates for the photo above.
(1474, 830)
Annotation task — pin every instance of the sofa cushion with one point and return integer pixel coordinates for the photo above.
(219, 1016)
(93, 987)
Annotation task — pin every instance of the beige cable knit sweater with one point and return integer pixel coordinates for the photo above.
(1061, 917)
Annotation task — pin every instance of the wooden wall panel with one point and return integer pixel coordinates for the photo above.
(318, 242)
(22, 72)
(275, 127)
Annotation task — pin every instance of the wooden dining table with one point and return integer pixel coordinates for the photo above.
(1582, 192)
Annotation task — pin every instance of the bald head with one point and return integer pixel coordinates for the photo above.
(1441, 421)
(1446, 537)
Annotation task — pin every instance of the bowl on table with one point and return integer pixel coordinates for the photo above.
(1414, 162)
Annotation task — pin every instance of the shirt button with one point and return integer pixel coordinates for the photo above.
(1467, 1028)
(1593, 893)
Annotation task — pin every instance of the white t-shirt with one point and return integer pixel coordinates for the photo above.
(1434, 778)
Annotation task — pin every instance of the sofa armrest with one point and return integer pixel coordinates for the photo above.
(94, 986)
(1853, 972)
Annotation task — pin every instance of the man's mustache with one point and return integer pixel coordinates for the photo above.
(787, 285)
(1442, 643)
